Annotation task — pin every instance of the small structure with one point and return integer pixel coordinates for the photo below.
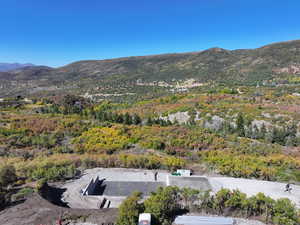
(203, 220)
(145, 219)
(184, 173)
(91, 187)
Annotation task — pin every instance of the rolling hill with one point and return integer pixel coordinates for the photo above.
(243, 66)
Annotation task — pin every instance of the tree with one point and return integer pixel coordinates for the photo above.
(127, 119)
(255, 132)
(240, 125)
(130, 209)
(263, 131)
(2, 200)
(72, 104)
(149, 122)
(189, 196)
(284, 212)
(136, 119)
(119, 118)
(7, 175)
(102, 139)
(163, 205)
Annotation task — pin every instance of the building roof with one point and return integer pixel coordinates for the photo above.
(202, 220)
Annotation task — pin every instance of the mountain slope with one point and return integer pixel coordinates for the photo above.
(215, 64)
(12, 66)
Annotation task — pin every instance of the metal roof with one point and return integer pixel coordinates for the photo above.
(202, 220)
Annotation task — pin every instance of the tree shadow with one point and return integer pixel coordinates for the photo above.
(100, 188)
(54, 195)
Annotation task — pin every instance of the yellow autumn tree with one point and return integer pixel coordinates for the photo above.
(101, 139)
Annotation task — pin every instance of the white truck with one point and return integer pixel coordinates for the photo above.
(145, 219)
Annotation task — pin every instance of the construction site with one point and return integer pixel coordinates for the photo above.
(108, 187)
(95, 196)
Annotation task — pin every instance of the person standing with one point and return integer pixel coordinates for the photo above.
(288, 188)
(155, 175)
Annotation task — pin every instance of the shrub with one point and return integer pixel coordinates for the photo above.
(284, 212)
(21, 194)
(52, 173)
(7, 175)
(163, 205)
(174, 163)
(102, 139)
(40, 184)
(130, 209)
(2, 200)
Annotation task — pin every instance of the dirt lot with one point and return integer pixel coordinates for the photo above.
(38, 211)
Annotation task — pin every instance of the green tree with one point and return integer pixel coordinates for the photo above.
(130, 209)
(2, 200)
(163, 205)
(7, 175)
(189, 196)
(240, 125)
(136, 119)
(285, 212)
(149, 122)
(72, 104)
(263, 131)
(127, 119)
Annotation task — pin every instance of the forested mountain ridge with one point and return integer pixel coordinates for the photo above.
(244, 66)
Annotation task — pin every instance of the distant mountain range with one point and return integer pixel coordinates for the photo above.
(12, 66)
(244, 66)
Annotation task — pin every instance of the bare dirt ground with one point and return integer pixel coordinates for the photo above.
(38, 211)
(251, 187)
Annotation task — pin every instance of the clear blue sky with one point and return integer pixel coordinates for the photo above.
(58, 32)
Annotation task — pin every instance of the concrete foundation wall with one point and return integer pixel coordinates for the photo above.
(90, 189)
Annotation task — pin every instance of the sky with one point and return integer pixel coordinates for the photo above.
(58, 32)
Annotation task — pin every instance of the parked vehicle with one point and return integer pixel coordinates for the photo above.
(145, 219)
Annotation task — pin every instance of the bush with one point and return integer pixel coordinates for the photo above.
(130, 209)
(174, 163)
(102, 139)
(284, 212)
(166, 203)
(2, 200)
(7, 175)
(21, 194)
(163, 205)
(53, 173)
(40, 184)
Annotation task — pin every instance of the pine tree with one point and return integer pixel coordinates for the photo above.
(263, 131)
(136, 119)
(119, 118)
(240, 125)
(149, 122)
(127, 119)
